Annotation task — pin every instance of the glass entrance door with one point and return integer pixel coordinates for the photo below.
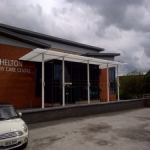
(75, 79)
(68, 94)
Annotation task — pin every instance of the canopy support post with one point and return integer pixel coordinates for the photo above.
(43, 82)
(107, 85)
(88, 82)
(118, 84)
(63, 81)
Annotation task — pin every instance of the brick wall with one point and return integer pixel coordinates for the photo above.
(103, 87)
(17, 83)
(18, 88)
(47, 114)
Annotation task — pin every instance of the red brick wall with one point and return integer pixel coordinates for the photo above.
(103, 87)
(17, 88)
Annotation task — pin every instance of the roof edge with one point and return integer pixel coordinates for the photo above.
(47, 37)
(16, 36)
(102, 54)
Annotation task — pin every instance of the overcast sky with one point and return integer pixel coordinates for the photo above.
(118, 26)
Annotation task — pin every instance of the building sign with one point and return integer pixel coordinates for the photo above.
(12, 66)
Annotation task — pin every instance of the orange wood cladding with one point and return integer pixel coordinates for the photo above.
(17, 88)
(103, 87)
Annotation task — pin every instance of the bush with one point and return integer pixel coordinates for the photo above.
(125, 96)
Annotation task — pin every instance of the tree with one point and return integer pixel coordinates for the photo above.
(131, 85)
(134, 72)
(147, 82)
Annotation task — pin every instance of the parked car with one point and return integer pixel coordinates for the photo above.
(13, 130)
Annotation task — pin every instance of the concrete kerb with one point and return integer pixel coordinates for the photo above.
(55, 113)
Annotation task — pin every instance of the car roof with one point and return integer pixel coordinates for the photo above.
(4, 104)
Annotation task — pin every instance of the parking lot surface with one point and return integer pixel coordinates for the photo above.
(125, 130)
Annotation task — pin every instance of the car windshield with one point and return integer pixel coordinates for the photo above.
(7, 112)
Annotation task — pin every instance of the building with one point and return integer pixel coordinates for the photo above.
(59, 72)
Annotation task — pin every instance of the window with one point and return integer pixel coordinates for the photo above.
(57, 72)
(75, 73)
(112, 81)
(38, 81)
(112, 75)
(112, 90)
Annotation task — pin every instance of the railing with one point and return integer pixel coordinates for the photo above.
(146, 95)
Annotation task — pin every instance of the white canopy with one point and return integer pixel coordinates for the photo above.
(42, 55)
(36, 56)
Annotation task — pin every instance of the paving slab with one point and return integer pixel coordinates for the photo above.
(123, 130)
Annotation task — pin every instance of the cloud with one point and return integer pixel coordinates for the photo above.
(146, 45)
(123, 26)
(120, 26)
(31, 15)
(25, 16)
(124, 14)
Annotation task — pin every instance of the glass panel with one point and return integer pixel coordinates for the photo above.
(38, 81)
(57, 72)
(112, 74)
(112, 81)
(75, 73)
(112, 90)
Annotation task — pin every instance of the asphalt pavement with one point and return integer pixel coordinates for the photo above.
(124, 130)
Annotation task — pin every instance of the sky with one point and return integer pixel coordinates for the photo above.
(118, 26)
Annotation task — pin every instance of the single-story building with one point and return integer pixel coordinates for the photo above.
(38, 70)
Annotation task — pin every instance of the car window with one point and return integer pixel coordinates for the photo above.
(7, 112)
(1, 115)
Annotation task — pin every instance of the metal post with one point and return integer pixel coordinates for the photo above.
(107, 85)
(63, 81)
(43, 83)
(118, 84)
(88, 82)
